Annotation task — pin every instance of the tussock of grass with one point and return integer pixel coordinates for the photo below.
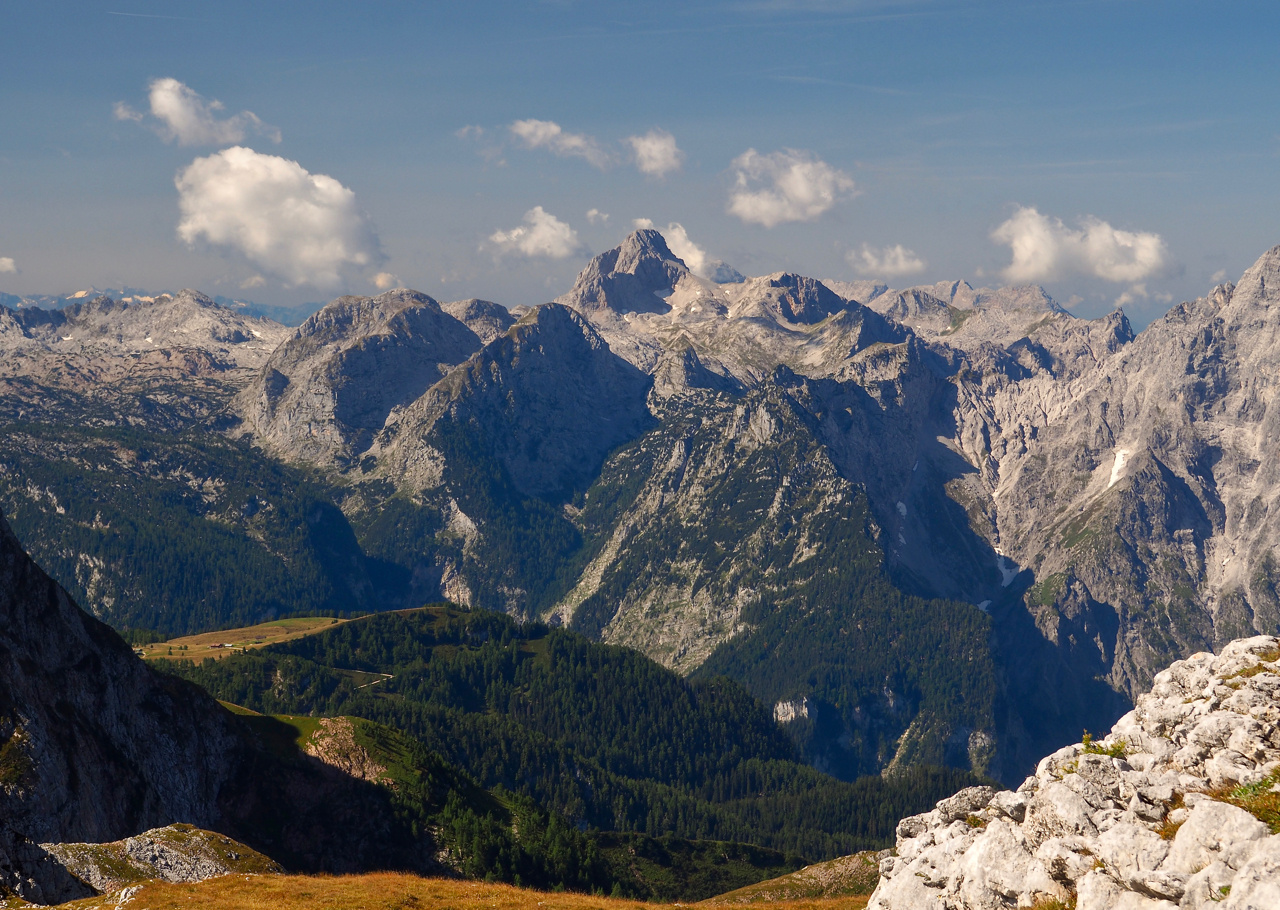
(1168, 829)
(386, 891)
(1117, 749)
(1261, 800)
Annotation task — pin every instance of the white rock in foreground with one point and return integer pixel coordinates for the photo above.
(1097, 831)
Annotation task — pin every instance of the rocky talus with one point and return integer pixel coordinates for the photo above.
(176, 853)
(1179, 806)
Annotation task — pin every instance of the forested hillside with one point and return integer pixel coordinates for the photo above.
(599, 733)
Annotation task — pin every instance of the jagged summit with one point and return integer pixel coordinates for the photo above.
(633, 277)
(330, 387)
(787, 296)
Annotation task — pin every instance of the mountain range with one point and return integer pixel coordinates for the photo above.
(933, 525)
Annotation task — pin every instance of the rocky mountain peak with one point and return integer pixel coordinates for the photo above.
(633, 277)
(487, 319)
(787, 296)
(327, 390)
(548, 400)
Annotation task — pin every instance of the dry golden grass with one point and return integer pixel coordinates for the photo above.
(848, 880)
(219, 644)
(380, 891)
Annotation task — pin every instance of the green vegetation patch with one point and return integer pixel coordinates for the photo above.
(1260, 799)
(597, 734)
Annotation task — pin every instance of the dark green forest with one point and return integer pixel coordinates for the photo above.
(599, 734)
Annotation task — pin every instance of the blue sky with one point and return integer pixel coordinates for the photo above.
(1108, 150)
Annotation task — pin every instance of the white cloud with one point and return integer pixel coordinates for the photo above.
(542, 234)
(187, 117)
(385, 281)
(887, 262)
(253, 281)
(692, 255)
(304, 228)
(8, 266)
(1219, 276)
(595, 216)
(547, 134)
(470, 131)
(655, 153)
(789, 185)
(1044, 248)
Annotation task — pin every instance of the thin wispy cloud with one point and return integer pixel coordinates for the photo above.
(1044, 249)
(304, 228)
(541, 235)
(547, 134)
(185, 116)
(154, 16)
(789, 185)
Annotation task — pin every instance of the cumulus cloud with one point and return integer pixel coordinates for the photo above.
(253, 281)
(385, 281)
(1044, 248)
(548, 135)
(655, 153)
(595, 216)
(187, 117)
(8, 266)
(887, 262)
(304, 228)
(541, 234)
(789, 185)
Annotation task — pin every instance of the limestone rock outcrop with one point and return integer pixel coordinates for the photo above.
(1178, 807)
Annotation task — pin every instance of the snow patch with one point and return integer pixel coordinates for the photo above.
(1122, 455)
(985, 606)
(1008, 570)
(902, 509)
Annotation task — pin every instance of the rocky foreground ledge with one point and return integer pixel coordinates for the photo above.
(1179, 806)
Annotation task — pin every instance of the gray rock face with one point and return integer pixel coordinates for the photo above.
(175, 853)
(159, 361)
(1149, 817)
(548, 399)
(629, 278)
(328, 389)
(94, 745)
(786, 296)
(488, 320)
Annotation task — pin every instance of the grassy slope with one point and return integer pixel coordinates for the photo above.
(383, 891)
